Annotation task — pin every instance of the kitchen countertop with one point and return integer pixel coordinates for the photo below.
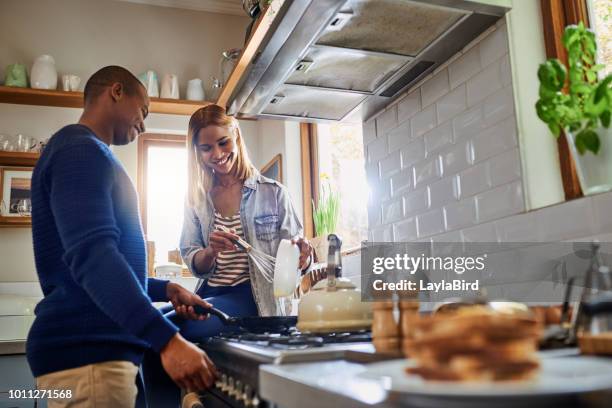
(334, 384)
(12, 347)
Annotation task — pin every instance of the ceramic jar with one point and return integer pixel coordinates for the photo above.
(195, 90)
(44, 74)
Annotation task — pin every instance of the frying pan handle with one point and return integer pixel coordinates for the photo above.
(213, 311)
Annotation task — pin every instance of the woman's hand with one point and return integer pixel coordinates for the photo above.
(219, 241)
(305, 252)
(184, 301)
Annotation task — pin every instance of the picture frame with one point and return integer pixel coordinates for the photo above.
(274, 168)
(15, 196)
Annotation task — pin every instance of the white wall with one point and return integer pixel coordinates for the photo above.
(539, 152)
(283, 137)
(85, 35)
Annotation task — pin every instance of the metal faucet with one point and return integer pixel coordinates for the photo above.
(334, 261)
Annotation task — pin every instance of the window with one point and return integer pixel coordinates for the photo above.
(162, 185)
(600, 15)
(341, 163)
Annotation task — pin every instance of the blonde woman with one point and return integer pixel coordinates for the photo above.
(226, 189)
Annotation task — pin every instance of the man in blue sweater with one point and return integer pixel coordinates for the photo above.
(96, 318)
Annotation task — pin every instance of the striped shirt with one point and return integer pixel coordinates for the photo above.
(232, 266)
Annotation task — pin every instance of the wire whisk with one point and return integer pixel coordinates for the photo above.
(263, 262)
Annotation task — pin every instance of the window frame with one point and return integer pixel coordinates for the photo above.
(556, 15)
(146, 141)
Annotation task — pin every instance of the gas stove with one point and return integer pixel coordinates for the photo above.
(239, 355)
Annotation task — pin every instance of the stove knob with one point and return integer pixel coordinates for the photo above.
(224, 384)
(255, 401)
(238, 391)
(219, 382)
(247, 393)
(230, 386)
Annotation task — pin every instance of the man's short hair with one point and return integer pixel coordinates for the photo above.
(106, 77)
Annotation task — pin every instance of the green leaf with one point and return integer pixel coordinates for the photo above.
(605, 118)
(587, 139)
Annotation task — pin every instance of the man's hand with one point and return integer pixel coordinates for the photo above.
(188, 366)
(183, 302)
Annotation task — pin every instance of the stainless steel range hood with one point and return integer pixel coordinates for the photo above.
(329, 60)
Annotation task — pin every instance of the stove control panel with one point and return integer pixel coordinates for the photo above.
(241, 395)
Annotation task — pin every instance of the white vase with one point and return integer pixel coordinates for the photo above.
(594, 170)
(44, 74)
(195, 90)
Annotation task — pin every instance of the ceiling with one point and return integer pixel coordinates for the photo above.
(233, 7)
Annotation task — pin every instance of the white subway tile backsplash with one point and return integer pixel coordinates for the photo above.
(424, 121)
(386, 120)
(498, 106)
(426, 171)
(518, 228)
(443, 162)
(390, 165)
(484, 83)
(460, 214)
(374, 215)
(570, 220)
(443, 191)
(416, 201)
(383, 234)
(435, 88)
(500, 202)
(406, 230)
(486, 232)
(372, 173)
(409, 105)
(468, 123)
(465, 67)
(392, 211)
(494, 46)
(452, 104)
(602, 204)
(455, 158)
(401, 182)
(430, 223)
(494, 140)
(474, 180)
(377, 149)
(413, 152)
(369, 131)
(505, 167)
(400, 136)
(437, 138)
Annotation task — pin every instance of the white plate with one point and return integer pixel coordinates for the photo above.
(558, 376)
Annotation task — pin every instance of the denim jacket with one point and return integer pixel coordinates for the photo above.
(267, 216)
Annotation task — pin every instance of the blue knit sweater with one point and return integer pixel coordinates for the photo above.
(91, 260)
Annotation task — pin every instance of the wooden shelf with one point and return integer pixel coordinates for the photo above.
(19, 159)
(12, 222)
(42, 97)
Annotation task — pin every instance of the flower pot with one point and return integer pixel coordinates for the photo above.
(594, 170)
(321, 247)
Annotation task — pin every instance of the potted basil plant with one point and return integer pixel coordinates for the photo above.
(575, 100)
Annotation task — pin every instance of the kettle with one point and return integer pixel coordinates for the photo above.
(334, 304)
